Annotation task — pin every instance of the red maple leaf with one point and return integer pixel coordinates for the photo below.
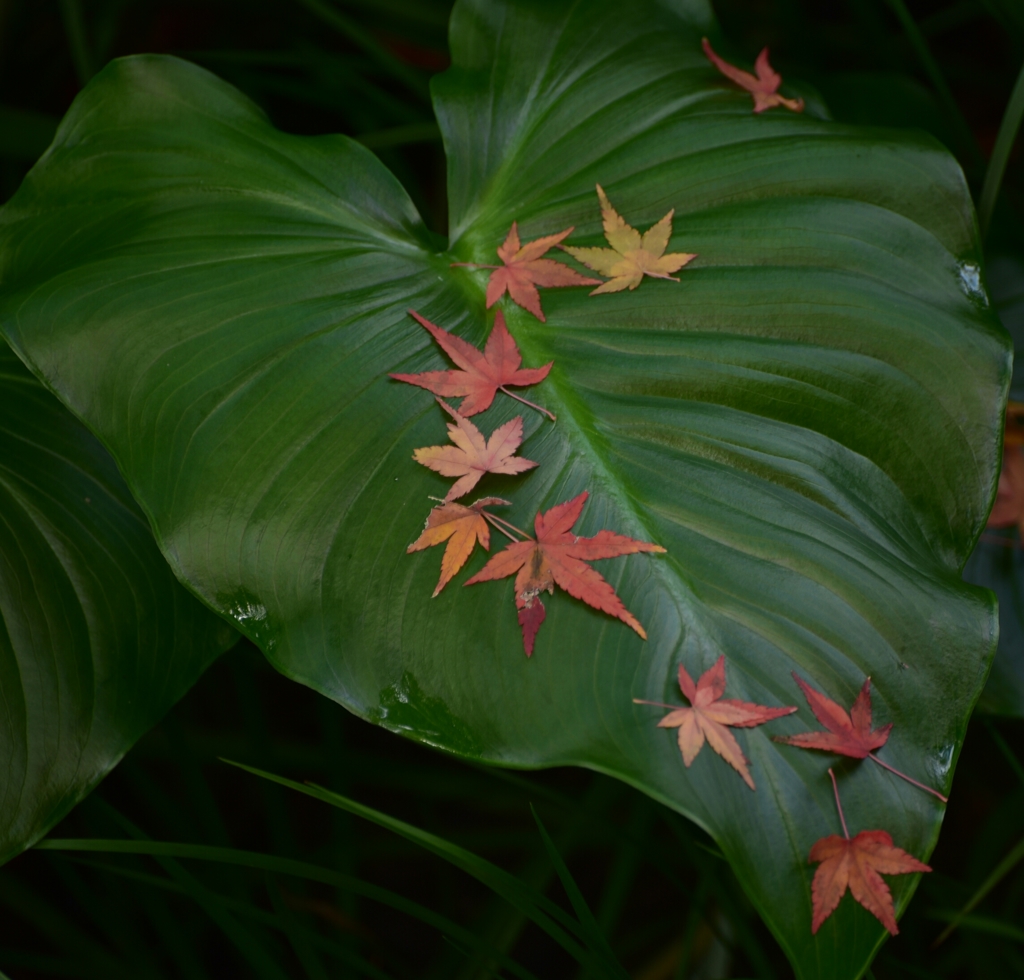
(1008, 509)
(764, 87)
(848, 734)
(709, 714)
(482, 374)
(524, 270)
(857, 864)
(558, 557)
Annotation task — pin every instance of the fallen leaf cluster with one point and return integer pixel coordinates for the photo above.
(843, 863)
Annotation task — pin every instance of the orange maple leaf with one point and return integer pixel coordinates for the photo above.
(764, 87)
(708, 716)
(848, 734)
(461, 527)
(631, 255)
(558, 557)
(472, 456)
(482, 374)
(857, 864)
(524, 270)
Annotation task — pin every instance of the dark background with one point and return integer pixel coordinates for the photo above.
(667, 900)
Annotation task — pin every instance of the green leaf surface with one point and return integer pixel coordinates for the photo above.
(97, 639)
(808, 421)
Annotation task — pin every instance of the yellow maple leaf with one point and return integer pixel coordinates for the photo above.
(631, 255)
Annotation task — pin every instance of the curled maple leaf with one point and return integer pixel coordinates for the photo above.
(857, 864)
(524, 270)
(462, 527)
(709, 714)
(631, 255)
(764, 87)
(472, 456)
(482, 374)
(848, 734)
(556, 556)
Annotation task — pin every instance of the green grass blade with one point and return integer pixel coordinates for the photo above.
(278, 865)
(1001, 154)
(553, 920)
(935, 76)
(593, 935)
(981, 923)
(419, 132)
(74, 27)
(1001, 870)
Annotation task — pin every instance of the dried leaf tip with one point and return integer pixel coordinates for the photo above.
(710, 716)
(763, 86)
(632, 255)
(857, 864)
(523, 270)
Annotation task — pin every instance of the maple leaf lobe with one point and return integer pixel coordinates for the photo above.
(858, 864)
(557, 557)
(710, 717)
(632, 255)
(763, 86)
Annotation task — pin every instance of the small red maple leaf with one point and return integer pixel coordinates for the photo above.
(1008, 509)
(848, 734)
(764, 87)
(558, 557)
(482, 374)
(857, 864)
(524, 270)
(709, 714)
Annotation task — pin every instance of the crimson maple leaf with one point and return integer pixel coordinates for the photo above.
(472, 456)
(857, 864)
(709, 714)
(848, 734)
(524, 270)
(558, 557)
(482, 374)
(462, 527)
(764, 87)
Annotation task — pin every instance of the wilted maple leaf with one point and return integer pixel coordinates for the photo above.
(631, 256)
(524, 270)
(1008, 509)
(848, 734)
(708, 716)
(472, 456)
(557, 556)
(764, 87)
(483, 373)
(855, 864)
(461, 527)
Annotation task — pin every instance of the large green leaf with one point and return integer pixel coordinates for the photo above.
(97, 639)
(808, 421)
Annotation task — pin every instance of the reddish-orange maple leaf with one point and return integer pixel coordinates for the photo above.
(558, 557)
(848, 734)
(709, 714)
(857, 864)
(482, 374)
(461, 527)
(1008, 510)
(472, 456)
(764, 87)
(524, 270)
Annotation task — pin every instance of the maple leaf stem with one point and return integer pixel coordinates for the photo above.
(518, 398)
(494, 517)
(658, 704)
(914, 782)
(474, 265)
(498, 527)
(839, 806)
